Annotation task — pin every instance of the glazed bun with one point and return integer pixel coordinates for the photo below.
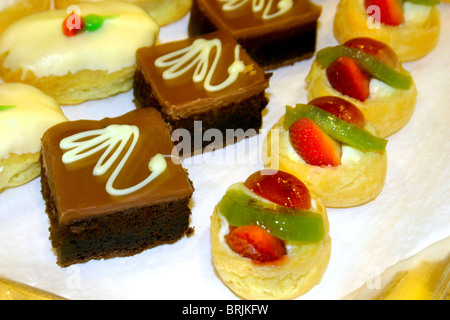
(85, 65)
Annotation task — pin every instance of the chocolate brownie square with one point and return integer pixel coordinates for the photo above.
(112, 187)
(274, 34)
(202, 83)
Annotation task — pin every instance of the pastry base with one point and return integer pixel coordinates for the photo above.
(18, 170)
(72, 89)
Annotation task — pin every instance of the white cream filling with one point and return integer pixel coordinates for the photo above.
(416, 13)
(379, 89)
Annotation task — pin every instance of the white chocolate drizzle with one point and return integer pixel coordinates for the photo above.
(197, 56)
(283, 6)
(114, 139)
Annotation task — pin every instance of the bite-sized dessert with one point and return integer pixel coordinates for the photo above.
(163, 11)
(274, 33)
(13, 10)
(410, 27)
(368, 73)
(332, 148)
(77, 56)
(111, 187)
(270, 237)
(202, 83)
(25, 114)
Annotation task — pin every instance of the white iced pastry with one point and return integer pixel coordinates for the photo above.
(89, 65)
(25, 114)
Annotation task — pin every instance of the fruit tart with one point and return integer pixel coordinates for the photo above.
(270, 237)
(368, 73)
(332, 148)
(410, 27)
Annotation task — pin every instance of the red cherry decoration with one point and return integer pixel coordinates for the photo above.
(341, 108)
(281, 188)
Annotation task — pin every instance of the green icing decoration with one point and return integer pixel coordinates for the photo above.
(4, 108)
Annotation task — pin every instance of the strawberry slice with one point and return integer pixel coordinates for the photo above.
(348, 78)
(313, 144)
(390, 11)
(255, 243)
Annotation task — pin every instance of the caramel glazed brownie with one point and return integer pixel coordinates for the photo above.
(274, 33)
(111, 187)
(202, 83)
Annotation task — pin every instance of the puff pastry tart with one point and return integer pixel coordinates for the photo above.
(366, 72)
(163, 11)
(330, 146)
(13, 10)
(410, 27)
(270, 237)
(83, 53)
(25, 114)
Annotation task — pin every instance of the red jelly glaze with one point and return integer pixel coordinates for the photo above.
(375, 48)
(340, 108)
(280, 187)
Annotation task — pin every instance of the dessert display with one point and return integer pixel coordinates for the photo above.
(111, 187)
(368, 73)
(112, 213)
(82, 55)
(329, 145)
(13, 10)
(25, 114)
(269, 237)
(410, 27)
(274, 33)
(163, 11)
(202, 83)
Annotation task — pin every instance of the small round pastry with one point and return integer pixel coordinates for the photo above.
(84, 53)
(25, 114)
(13, 10)
(330, 146)
(368, 73)
(270, 237)
(411, 28)
(163, 11)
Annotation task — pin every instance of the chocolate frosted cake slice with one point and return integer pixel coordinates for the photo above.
(112, 188)
(202, 83)
(274, 33)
